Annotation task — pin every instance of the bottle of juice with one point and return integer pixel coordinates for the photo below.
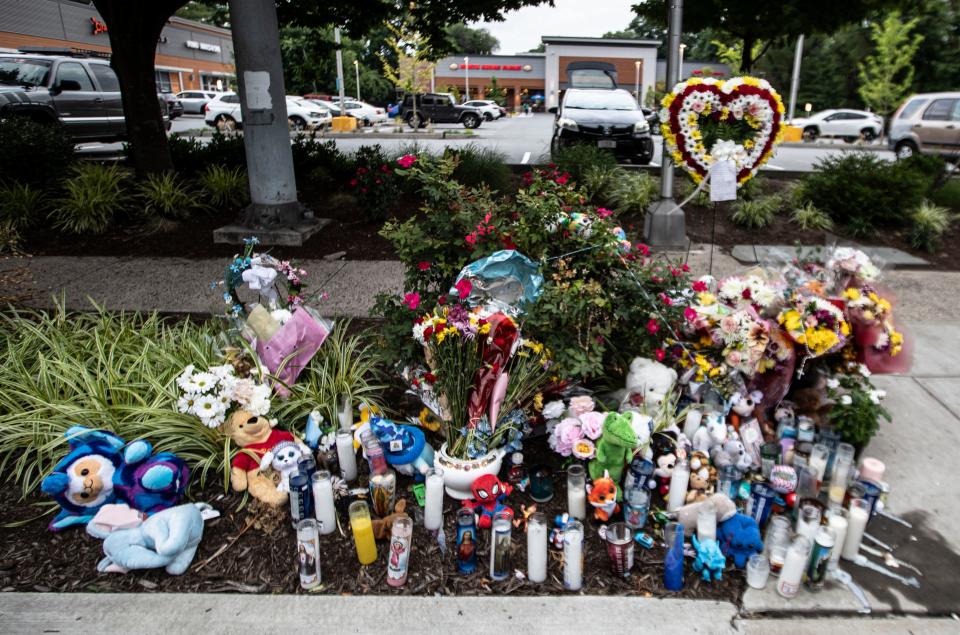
(363, 532)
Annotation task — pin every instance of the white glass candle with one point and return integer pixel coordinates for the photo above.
(837, 521)
(323, 505)
(433, 508)
(345, 413)
(793, 567)
(758, 571)
(818, 461)
(842, 468)
(692, 422)
(808, 521)
(856, 525)
(537, 548)
(346, 455)
(707, 522)
(573, 556)
(576, 492)
(678, 486)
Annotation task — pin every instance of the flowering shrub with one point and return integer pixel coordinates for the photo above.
(604, 300)
(374, 183)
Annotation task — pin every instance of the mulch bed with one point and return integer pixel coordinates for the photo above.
(236, 558)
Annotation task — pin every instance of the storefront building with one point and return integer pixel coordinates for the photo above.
(190, 55)
(539, 79)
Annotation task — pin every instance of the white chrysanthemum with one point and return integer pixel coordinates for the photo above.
(222, 372)
(554, 410)
(206, 407)
(732, 289)
(205, 381)
(185, 404)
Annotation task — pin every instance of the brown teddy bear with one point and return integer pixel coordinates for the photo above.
(382, 527)
(702, 477)
(255, 437)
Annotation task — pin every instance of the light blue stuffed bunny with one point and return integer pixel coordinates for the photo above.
(168, 539)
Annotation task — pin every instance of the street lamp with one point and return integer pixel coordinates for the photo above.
(637, 82)
(682, 48)
(356, 67)
(466, 78)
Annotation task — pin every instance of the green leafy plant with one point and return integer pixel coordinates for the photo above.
(633, 192)
(857, 408)
(576, 159)
(929, 223)
(226, 150)
(21, 204)
(33, 153)
(756, 213)
(598, 182)
(9, 239)
(478, 166)
(188, 154)
(808, 218)
(92, 197)
(167, 196)
(374, 183)
(311, 154)
(345, 366)
(864, 191)
(111, 371)
(225, 187)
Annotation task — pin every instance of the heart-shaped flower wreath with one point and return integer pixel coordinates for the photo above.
(706, 120)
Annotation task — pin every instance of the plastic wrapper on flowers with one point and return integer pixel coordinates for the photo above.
(504, 281)
(292, 347)
(881, 347)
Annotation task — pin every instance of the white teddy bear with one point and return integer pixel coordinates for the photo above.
(642, 427)
(284, 458)
(648, 384)
(710, 435)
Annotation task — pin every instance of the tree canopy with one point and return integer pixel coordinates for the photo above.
(471, 41)
(750, 21)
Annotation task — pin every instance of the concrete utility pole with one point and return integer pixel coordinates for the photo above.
(336, 39)
(665, 225)
(795, 77)
(274, 214)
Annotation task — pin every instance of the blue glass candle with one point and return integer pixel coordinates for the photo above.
(673, 563)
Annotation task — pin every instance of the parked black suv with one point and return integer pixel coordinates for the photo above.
(608, 119)
(81, 93)
(438, 108)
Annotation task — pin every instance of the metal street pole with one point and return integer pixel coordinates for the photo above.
(336, 39)
(665, 224)
(795, 77)
(466, 78)
(680, 74)
(637, 82)
(266, 136)
(356, 67)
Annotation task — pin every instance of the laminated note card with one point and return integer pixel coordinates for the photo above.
(723, 181)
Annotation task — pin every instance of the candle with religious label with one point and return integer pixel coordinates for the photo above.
(362, 528)
(576, 491)
(383, 492)
(823, 545)
(678, 486)
(374, 453)
(323, 505)
(466, 541)
(537, 548)
(500, 546)
(398, 557)
(433, 506)
(346, 455)
(573, 556)
(859, 514)
(308, 553)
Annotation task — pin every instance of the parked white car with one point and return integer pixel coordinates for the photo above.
(223, 113)
(194, 100)
(489, 109)
(849, 124)
(364, 113)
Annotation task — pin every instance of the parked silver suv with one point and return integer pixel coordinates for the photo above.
(927, 123)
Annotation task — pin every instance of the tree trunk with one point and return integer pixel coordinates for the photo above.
(746, 56)
(134, 29)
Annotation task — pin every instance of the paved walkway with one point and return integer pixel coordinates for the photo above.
(179, 285)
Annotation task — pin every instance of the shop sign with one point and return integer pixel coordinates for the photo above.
(202, 46)
(97, 26)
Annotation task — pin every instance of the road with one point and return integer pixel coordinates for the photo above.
(523, 140)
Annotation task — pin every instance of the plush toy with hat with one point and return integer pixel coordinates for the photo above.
(255, 436)
(405, 447)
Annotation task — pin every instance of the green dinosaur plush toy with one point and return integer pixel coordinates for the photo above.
(615, 446)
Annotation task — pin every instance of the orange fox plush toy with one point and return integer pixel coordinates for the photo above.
(603, 495)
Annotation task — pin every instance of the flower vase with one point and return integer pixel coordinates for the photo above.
(459, 474)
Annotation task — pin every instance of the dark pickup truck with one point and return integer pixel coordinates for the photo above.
(438, 108)
(82, 94)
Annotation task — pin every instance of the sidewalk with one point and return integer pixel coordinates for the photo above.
(178, 285)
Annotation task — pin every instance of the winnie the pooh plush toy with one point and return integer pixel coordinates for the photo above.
(255, 436)
(615, 446)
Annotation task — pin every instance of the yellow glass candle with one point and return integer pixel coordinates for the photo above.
(363, 532)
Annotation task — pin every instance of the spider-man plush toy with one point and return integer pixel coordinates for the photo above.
(489, 492)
